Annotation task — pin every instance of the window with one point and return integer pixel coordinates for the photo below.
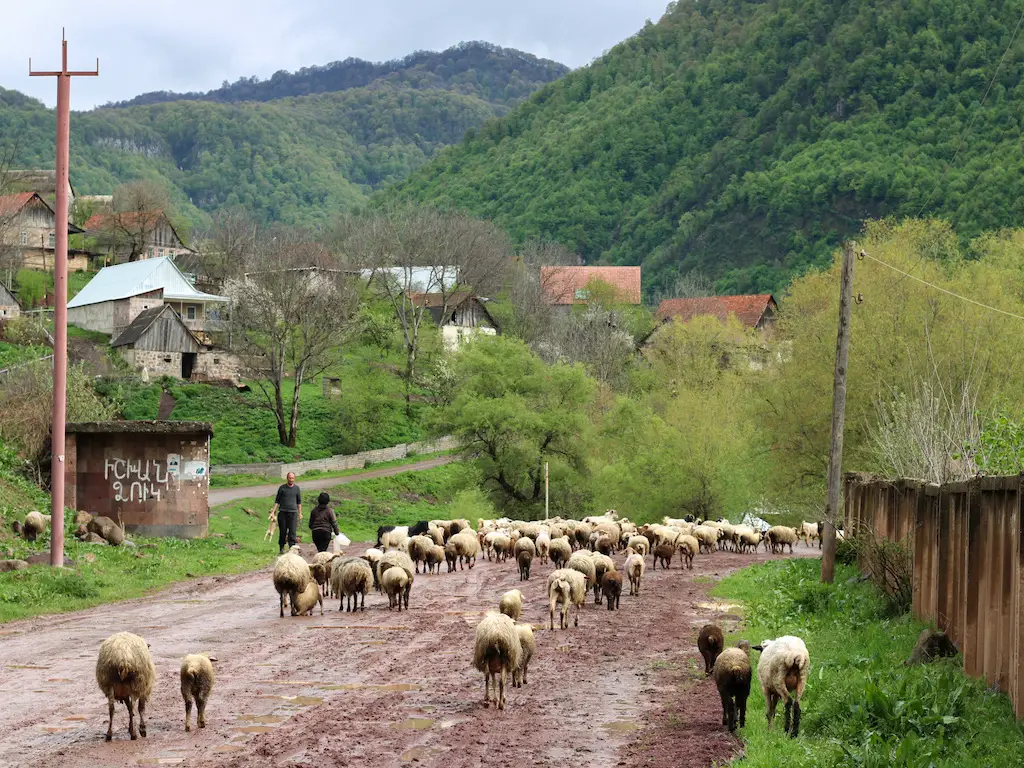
(167, 358)
(24, 237)
(582, 294)
(216, 361)
(160, 253)
(149, 253)
(52, 239)
(190, 312)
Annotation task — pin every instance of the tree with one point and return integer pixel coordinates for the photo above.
(140, 207)
(10, 251)
(293, 310)
(225, 246)
(418, 258)
(512, 413)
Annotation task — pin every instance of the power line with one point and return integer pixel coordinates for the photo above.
(941, 290)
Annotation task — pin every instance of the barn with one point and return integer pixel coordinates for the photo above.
(159, 341)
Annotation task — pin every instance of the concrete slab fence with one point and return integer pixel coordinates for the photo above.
(340, 462)
(966, 541)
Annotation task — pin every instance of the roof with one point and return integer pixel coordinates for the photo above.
(12, 205)
(434, 302)
(560, 284)
(7, 298)
(749, 310)
(135, 277)
(149, 219)
(140, 427)
(40, 180)
(138, 327)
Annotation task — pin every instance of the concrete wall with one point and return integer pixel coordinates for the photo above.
(217, 365)
(93, 317)
(340, 462)
(126, 310)
(455, 335)
(43, 258)
(154, 475)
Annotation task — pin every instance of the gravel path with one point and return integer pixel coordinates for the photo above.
(379, 688)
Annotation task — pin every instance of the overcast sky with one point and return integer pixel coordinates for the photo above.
(194, 45)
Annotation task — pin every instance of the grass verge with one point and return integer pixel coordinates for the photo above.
(106, 574)
(862, 707)
(244, 481)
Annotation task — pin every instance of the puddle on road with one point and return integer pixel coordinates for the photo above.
(262, 719)
(25, 666)
(58, 728)
(415, 724)
(59, 680)
(169, 760)
(255, 728)
(619, 726)
(419, 753)
(359, 626)
(297, 701)
(307, 683)
(77, 718)
(720, 607)
(370, 686)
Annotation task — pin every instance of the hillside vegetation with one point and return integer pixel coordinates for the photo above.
(746, 139)
(296, 148)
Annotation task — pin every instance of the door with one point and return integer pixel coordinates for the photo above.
(188, 362)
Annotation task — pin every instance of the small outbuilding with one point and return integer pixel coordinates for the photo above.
(9, 306)
(150, 476)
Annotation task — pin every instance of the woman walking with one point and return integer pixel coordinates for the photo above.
(322, 523)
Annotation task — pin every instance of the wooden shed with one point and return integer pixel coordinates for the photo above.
(9, 306)
(159, 341)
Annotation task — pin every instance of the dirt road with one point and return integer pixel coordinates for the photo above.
(224, 495)
(378, 688)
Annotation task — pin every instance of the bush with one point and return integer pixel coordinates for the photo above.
(26, 331)
(890, 565)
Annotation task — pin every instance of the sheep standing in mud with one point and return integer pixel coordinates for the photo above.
(125, 673)
(196, 683)
(497, 651)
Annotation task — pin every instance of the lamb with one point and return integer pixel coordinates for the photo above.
(125, 673)
(435, 556)
(418, 546)
(391, 561)
(353, 580)
(640, 545)
(502, 545)
(634, 568)
(525, 560)
(602, 564)
(34, 525)
(605, 545)
(580, 561)
(566, 586)
(395, 582)
(524, 544)
(304, 601)
(688, 547)
(466, 547)
(779, 536)
(732, 676)
(196, 683)
(559, 550)
(511, 604)
(808, 532)
(451, 555)
(611, 586)
(710, 643)
(291, 575)
(529, 645)
(748, 538)
(707, 537)
(373, 556)
(497, 650)
(664, 553)
(320, 569)
(543, 542)
(783, 671)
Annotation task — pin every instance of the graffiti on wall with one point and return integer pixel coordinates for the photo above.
(145, 479)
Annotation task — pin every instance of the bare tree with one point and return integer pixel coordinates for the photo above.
(594, 338)
(140, 208)
(531, 316)
(691, 285)
(410, 254)
(224, 247)
(10, 250)
(293, 310)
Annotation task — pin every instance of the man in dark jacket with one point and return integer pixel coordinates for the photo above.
(287, 510)
(322, 523)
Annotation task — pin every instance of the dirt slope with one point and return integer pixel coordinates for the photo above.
(378, 688)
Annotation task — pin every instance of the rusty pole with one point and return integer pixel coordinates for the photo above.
(60, 301)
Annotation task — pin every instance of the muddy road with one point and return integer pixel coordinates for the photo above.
(379, 688)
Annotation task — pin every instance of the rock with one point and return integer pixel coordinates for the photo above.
(216, 535)
(12, 565)
(81, 532)
(82, 517)
(43, 558)
(106, 528)
(129, 543)
(931, 644)
(94, 538)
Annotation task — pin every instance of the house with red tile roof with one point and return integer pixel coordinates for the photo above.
(28, 234)
(566, 286)
(756, 312)
(136, 235)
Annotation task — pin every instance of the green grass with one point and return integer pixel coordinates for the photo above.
(74, 332)
(105, 574)
(243, 481)
(14, 354)
(77, 281)
(862, 707)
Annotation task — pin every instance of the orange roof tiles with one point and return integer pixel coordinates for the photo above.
(749, 310)
(561, 285)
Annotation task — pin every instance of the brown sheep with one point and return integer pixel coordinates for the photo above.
(710, 643)
(196, 683)
(611, 586)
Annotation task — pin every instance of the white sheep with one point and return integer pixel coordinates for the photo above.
(602, 565)
(394, 582)
(560, 550)
(707, 537)
(543, 542)
(634, 568)
(390, 561)
(779, 536)
(640, 545)
(352, 581)
(435, 556)
(497, 651)
(418, 547)
(688, 547)
(529, 645)
(303, 602)
(511, 604)
(196, 675)
(291, 575)
(320, 569)
(125, 673)
(783, 671)
(35, 524)
(582, 562)
(466, 547)
(568, 587)
(808, 532)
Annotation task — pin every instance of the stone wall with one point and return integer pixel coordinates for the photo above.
(156, 363)
(217, 365)
(151, 475)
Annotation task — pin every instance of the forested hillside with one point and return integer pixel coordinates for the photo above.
(746, 139)
(298, 159)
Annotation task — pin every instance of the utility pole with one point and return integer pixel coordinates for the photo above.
(545, 490)
(835, 453)
(60, 300)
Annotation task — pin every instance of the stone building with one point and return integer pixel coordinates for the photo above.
(152, 476)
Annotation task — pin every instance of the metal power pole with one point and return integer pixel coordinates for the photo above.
(835, 453)
(60, 300)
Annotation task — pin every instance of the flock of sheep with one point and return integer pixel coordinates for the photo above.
(581, 553)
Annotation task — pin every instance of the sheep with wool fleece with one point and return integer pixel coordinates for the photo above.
(782, 671)
(568, 587)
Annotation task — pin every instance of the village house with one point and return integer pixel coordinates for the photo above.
(757, 312)
(112, 300)
(135, 235)
(42, 182)
(28, 234)
(565, 287)
(9, 306)
(464, 317)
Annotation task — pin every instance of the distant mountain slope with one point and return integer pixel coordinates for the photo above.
(497, 75)
(298, 159)
(746, 139)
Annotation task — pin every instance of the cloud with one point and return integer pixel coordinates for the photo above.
(194, 45)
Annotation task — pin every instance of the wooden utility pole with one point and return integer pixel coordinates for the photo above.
(545, 490)
(835, 453)
(60, 301)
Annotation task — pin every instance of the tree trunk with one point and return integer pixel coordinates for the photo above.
(293, 425)
(410, 371)
(282, 432)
